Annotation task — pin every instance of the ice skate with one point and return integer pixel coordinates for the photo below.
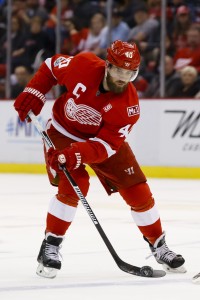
(48, 257)
(171, 262)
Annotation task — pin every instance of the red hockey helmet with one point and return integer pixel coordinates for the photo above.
(124, 55)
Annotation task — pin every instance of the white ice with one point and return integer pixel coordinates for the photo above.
(89, 271)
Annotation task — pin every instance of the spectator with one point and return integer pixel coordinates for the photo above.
(88, 39)
(154, 8)
(119, 30)
(22, 76)
(70, 36)
(50, 24)
(171, 80)
(152, 60)
(18, 6)
(182, 23)
(174, 4)
(145, 33)
(189, 83)
(26, 10)
(126, 8)
(189, 55)
(66, 13)
(83, 11)
(18, 38)
(36, 40)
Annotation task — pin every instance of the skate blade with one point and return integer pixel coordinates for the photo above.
(46, 272)
(196, 279)
(180, 269)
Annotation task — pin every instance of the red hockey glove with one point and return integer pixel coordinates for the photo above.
(78, 153)
(68, 157)
(29, 99)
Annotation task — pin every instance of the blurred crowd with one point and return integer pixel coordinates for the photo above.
(84, 28)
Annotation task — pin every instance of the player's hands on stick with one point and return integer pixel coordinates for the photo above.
(68, 157)
(29, 99)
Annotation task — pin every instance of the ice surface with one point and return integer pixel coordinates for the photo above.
(89, 271)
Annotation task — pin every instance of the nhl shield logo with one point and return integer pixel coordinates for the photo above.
(133, 110)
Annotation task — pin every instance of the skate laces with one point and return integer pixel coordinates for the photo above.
(163, 253)
(52, 251)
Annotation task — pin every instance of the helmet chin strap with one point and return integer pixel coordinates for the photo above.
(135, 75)
(104, 79)
(106, 68)
(106, 72)
(105, 85)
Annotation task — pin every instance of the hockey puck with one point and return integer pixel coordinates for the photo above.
(146, 271)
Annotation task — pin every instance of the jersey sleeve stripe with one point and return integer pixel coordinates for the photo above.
(48, 63)
(58, 127)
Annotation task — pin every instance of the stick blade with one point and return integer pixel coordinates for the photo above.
(145, 271)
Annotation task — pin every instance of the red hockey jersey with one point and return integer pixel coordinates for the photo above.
(83, 112)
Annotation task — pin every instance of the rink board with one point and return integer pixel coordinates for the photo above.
(166, 139)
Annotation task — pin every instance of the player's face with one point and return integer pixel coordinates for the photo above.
(117, 79)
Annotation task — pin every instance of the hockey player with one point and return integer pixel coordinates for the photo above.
(89, 125)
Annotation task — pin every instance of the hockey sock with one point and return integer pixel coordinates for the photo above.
(152, 232)
(143, 210)
(56, 225)
(59, 217)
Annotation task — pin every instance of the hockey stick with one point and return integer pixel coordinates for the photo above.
(144, 271)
